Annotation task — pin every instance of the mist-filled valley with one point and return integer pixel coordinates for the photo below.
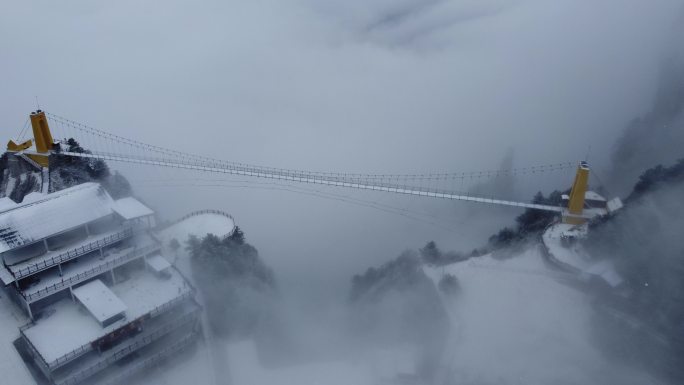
(326, 192)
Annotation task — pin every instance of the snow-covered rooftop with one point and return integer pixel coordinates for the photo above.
(68, 328)
(34, 196)
(42, 215)
(158, 263)
(130, 208)
(31, 221)
(99, 300)
(6, 204)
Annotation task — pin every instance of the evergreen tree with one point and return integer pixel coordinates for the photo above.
(237, 236)
(431, 254)
(230, 275)
(449, 285)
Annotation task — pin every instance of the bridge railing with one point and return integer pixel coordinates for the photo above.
(363, 182)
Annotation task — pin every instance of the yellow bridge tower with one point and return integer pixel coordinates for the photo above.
(578, 192)
(43, 138)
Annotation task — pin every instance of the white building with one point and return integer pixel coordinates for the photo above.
(91, 278)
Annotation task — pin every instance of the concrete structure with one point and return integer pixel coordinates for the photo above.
(94, 285)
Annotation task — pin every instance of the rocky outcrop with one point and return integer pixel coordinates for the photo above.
(18, 177)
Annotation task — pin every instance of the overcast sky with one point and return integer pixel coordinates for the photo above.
(359, 86)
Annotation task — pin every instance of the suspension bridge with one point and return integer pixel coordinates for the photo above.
(106, 146)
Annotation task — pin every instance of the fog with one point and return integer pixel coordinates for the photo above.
(378, 86)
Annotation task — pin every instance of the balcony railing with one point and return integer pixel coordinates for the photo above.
(170, 304)
(138, 343)
(178, 346)
(137, 252)
(73, 253)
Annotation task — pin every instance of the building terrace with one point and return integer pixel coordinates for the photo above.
(69, 331)
(55, 257)
(146, 357)
(184, 316)
(87, 266)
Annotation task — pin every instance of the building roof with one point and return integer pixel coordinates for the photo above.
(101, 302)
(6, 203)
(130, 208)
(42, 215)
(31, 221)
(158, 263)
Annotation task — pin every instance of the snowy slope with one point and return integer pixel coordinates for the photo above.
(517, 320)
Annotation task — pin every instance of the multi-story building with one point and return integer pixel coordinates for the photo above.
(102, 300)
